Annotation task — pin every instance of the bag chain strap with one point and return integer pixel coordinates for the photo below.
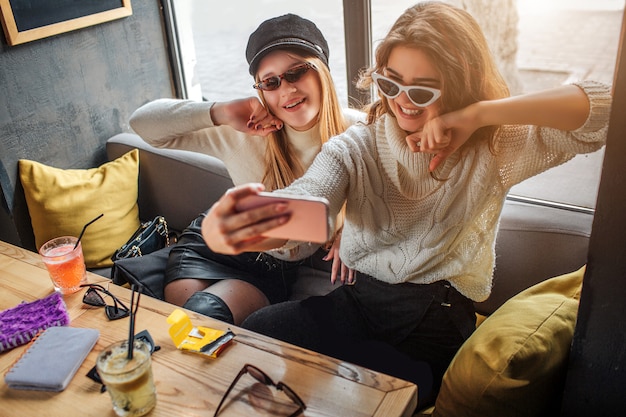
(167, 236)
(167, 233)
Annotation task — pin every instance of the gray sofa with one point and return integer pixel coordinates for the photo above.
(535, 240)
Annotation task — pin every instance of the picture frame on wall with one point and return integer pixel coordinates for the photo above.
(28, 20)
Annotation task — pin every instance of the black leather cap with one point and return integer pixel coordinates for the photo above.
(287, 31)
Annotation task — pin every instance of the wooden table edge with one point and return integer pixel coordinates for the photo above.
(407, 395)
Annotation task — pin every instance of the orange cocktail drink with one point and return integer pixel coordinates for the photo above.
(65, 263)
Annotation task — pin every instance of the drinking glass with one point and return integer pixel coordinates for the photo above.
(129, 382)
(65, 263)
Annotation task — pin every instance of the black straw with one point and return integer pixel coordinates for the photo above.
(83, 231)
(134, 305)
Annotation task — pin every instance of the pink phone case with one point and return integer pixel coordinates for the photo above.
(309, 216)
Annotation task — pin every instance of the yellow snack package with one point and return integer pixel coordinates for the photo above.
(202, 340)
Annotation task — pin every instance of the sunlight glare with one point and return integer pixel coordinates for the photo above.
(541, 6)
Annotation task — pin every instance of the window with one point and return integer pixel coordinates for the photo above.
(561, 41)
(219, 34)
(538, 43)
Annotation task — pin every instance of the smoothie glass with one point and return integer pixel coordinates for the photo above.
(65, 263)
(128, 381)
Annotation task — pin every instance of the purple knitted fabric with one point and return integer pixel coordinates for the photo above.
(19, 324)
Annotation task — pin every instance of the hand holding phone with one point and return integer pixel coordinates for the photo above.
(308, 221)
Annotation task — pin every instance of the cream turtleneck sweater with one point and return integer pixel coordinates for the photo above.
(404, 226)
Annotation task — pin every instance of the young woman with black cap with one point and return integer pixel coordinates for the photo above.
(272, 140)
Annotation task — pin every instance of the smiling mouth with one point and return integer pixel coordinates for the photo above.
(411, 112)
(294, 104)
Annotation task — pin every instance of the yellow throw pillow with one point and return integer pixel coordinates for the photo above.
(61, 202)
(514, 364)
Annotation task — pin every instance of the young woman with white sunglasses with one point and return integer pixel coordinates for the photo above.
(424, 182)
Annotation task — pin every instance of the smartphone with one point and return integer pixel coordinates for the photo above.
(309, 216)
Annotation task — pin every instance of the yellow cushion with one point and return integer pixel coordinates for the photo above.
(514, 363)
(61, 202)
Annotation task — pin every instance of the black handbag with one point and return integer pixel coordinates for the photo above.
(148, 271)
(150, 237)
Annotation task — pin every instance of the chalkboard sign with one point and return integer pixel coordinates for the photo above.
(28, 20)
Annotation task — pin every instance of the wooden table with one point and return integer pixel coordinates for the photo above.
(189, 384)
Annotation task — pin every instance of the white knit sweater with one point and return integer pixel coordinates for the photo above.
(404, 226)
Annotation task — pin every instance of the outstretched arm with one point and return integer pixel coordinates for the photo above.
(565, 108)
(163, 120)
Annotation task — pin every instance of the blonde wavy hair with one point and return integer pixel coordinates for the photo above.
(457, 47)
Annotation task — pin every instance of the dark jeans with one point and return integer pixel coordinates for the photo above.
(410, 331)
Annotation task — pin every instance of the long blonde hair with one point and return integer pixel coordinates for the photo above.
(455, 44)
(281, 165)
